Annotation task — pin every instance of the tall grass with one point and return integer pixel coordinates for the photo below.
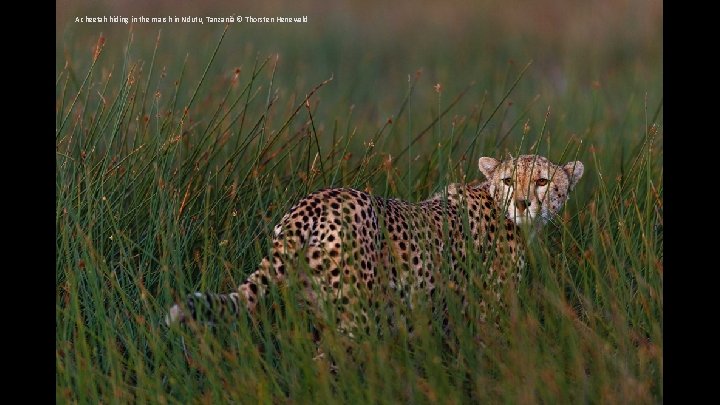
(171, 183)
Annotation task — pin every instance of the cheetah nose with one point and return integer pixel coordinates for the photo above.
(522, 205)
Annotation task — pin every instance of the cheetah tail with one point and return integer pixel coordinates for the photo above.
(208, 307)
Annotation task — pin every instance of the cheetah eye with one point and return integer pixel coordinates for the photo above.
(507, 181)
(541, 182)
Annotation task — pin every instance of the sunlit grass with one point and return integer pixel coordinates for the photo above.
(168, 184)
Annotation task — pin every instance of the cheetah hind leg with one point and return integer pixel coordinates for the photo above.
(325, 359)
(320, 355)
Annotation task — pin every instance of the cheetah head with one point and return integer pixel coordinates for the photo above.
(530, 187)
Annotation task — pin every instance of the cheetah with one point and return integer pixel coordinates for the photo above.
(352, 241)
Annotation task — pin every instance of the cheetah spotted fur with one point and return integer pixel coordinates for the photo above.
(352, 241)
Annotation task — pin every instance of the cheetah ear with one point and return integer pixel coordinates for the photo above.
(487, 165)
(574, 171)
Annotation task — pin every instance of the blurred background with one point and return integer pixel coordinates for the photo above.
(591, 61)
